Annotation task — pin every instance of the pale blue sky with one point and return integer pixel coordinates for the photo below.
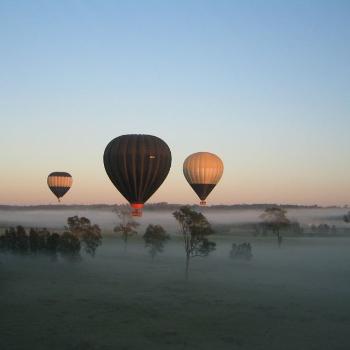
(263, 84)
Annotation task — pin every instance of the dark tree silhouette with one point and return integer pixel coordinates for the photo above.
(43, 235)
(33, 240)
(346, 217)
(89, 235)
(8, 239)
(53, 242)
(69, 244)
(78, 225)
(22, 239)
(79, 232)
(323, 229)
(275, 219)
(155, 237)
(15, 240)
(194, 228)
(127, 225)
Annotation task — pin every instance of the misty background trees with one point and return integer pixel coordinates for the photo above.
(323, 229)
(275, 219)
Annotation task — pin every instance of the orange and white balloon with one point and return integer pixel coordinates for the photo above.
(203, 171)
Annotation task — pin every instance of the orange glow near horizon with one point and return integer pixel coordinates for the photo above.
(271, 98)
(241, 189)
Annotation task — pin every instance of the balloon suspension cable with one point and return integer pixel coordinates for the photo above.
(203, 203)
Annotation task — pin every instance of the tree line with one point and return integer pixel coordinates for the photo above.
(78, 234)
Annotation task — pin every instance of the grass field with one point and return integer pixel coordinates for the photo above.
(293, 297)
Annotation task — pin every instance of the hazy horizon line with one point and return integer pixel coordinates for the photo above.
(159, 205)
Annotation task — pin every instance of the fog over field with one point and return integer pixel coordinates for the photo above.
(289, 297)
(107, 219)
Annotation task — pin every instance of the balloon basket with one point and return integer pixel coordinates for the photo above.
(203, 203)
(136, 209)
(136, 212)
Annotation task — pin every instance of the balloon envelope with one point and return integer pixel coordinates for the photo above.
(59, 183)
(203, 170)
(137, 165)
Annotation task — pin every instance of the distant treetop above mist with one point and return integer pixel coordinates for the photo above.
(159, 206)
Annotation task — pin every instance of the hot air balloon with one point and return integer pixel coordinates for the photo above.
(59, 183)
(137, 165)
(203, 171)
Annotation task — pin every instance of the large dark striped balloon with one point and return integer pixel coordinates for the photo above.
(137, 165)
(59, 183)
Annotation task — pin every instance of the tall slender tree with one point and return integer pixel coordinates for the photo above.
(127, 225)
(194, 228)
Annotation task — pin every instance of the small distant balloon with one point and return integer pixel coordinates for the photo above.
(137, 165)
(59, 183)
(203, 170)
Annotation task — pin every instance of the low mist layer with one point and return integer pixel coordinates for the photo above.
(107, 219)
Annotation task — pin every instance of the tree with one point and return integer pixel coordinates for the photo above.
(15, 240)
(43, 236)
(8, 239)
(155, 237)
(78, 225)
(89, 235)
(275, 219)
(295, 228)
(53, 242)
(22, 241)
(346, 217)
(33, 240)
(127, 225)
(194, 228)
(69, 245)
